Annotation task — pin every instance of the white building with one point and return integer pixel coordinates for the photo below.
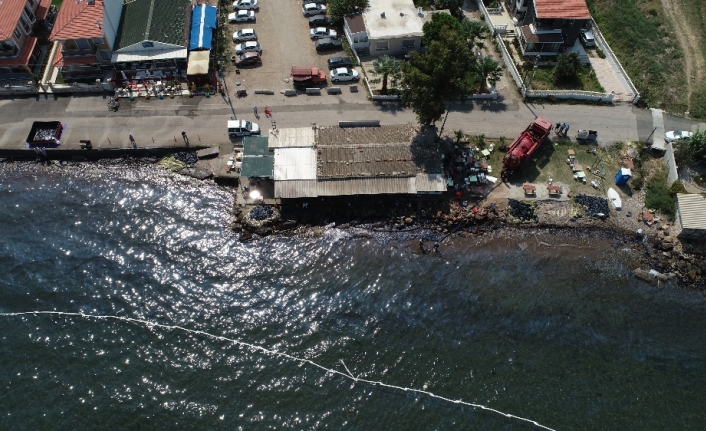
(388, 27)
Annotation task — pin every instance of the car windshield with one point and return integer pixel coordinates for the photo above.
(248, 125)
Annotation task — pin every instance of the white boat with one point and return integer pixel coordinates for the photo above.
(614, 198)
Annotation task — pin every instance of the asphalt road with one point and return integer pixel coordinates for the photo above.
(156, 123)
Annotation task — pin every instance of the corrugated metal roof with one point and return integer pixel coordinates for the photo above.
(203, 22)
(296, 189)
(426, 183)
(692, 211)
(78, 20)
(295, 164)
(567, 9)
(366, 186)
(154, 20)
(292, 137)
(343, 136)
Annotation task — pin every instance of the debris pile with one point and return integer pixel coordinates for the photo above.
(594, 205)
(261, 212)
(186, 157)
(44, 134)
(522, 211)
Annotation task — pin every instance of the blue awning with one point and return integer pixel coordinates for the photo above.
(203, 22)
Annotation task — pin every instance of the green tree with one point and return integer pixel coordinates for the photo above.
(454, 6)
(697, 142)
(439, 21)
(684, 153)
(488, 71)
(459, 135)
(383, 68)
(567, 66)
(340, 8)
(432, 79)
(475, 31)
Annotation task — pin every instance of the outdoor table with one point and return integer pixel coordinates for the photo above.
(469, 159)
(484, 166)
(581, 175)
(571, 153)
(473, 179)
(529, 189)
(554, 190)
(577, 168)
(450, 182)
(486, 153)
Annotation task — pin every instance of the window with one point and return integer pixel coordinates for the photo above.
(98, 41)
(364, 39)
(381, 46)
(408, 43)
(30, 14)
(83, 44)
(30, 3)
(25, 25)
(355, 40)
(17, 33)
(147, 45)
(104, 55)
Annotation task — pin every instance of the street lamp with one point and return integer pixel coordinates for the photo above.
(535, 63)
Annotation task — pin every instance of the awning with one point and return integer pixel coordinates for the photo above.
(119, 57)
(203, 22)
(198, 63)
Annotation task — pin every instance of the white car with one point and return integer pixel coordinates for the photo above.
(343, 74)
(241, 16)
(319, 32)
(244, 35)
(242, 128)
(246, 4)
(250, 46)
(311, 9)
(675, 135)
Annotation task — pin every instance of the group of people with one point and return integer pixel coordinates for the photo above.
(561, 129)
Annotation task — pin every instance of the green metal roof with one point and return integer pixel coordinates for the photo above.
(256, 146)
(257, 167)
(154, 20)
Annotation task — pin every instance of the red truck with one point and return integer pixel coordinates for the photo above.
(45, 134)
(525, 145)
(305, 75)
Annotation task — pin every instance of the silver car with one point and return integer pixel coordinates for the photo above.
(321, 32)
(311, 9)
(244, 35)
(250, 46)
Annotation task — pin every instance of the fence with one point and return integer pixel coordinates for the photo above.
(603, 45)
(15, 90)
(509, 63)
(672, 173)
(570, 94)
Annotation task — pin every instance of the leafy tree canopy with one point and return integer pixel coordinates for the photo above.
(697, 142)
(439, 21)
(340, 8)
(567, 66)
(383, 68)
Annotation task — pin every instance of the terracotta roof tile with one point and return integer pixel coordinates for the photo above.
(25, 54)
(78, 20)
(567, 9)
(10, 11)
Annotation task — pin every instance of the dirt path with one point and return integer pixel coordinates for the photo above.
(689, 42)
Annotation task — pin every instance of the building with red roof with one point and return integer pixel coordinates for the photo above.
(20, 57)
(550, 27)
(84, 35)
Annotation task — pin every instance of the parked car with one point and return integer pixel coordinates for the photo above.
(586, 37)
(241, 16)
(321, 32)
(336, 62)
(244, 35)
(245, 5)
(310, 9)
(242, 128)
(250, 46)
(344, 74)
(327, 43)
(675, 135)
(248, 58)
(314, 1)
(319, 20)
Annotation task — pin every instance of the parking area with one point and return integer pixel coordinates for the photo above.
(283, 34)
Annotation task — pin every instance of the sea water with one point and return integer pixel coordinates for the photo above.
(561, 335)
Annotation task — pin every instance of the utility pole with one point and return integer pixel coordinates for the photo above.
(529, 82)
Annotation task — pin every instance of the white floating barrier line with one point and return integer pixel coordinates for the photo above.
(347, 374)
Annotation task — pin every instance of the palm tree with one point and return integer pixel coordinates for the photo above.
(475, 31)
(459, 135)
(489, 72)
(383, 68)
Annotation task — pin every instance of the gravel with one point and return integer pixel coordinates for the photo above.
(187, 157)
(262, 212)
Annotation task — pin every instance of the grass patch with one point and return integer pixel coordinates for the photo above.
(700, 180)
(56, 3)
(59, 78)
(658, 196)
(647, 47)
(585, 80)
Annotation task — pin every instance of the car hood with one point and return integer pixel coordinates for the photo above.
(255, 129)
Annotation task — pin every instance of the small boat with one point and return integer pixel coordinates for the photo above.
(614, 198)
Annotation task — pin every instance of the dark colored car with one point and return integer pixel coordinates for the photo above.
(319, 21)
(247, 58)
(327, 43)
(336, 62)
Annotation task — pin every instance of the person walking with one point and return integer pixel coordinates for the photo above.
(254, 109)
(183, 135)
(566, 130)
(268, 113)
(132, 141)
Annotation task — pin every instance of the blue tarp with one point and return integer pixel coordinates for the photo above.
(203, 22)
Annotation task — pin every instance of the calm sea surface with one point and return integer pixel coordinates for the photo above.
(563, 336)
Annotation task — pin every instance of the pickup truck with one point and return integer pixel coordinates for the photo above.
(306, 75)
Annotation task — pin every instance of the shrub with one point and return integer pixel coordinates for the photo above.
(658, 195)
(600, 52)
(677, 187)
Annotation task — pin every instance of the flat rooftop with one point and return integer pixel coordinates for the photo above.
(401, 19)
